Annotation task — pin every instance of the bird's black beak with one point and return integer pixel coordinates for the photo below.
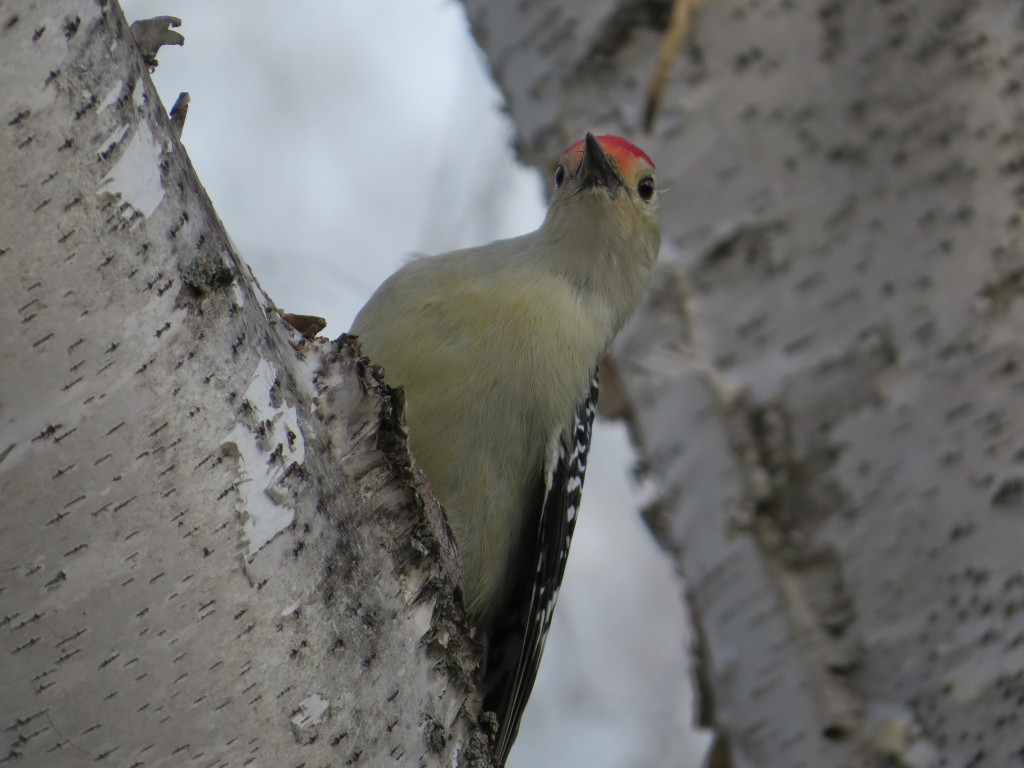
(595, 169)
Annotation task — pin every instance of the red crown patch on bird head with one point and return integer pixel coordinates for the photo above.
(624, 153)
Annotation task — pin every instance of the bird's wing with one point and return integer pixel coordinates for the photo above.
(517, 641)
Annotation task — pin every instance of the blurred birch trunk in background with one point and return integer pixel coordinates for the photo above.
(827, 379)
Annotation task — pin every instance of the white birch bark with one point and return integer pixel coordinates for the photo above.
(827, 377)
(213, 549)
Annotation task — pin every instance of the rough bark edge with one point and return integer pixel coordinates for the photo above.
(424, 553)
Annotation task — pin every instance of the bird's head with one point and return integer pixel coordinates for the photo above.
(606, 187)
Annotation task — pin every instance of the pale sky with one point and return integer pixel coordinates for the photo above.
(336, 138)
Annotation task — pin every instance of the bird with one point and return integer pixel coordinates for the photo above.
(496, 348)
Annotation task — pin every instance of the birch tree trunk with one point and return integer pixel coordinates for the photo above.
(826, 380)
(213, 547)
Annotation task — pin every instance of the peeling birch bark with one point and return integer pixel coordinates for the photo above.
(214, 549)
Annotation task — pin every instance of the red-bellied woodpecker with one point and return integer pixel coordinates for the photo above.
(497, 348)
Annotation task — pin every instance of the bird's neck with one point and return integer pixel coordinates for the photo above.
(607, 267)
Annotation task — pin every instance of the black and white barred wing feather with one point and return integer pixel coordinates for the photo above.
(521, 639)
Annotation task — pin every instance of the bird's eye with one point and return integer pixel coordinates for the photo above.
(559, 176)
(645, 188)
